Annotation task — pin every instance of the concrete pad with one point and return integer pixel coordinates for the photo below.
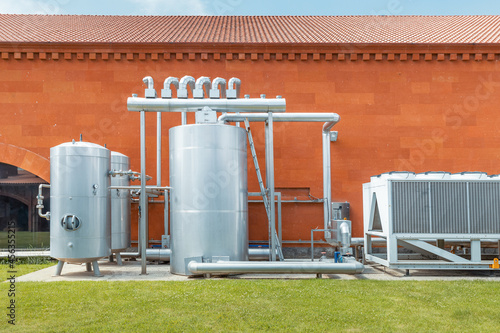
(130, 271)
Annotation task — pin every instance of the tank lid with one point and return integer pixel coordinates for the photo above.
(79, 148)
(115, 153)
(119, 158)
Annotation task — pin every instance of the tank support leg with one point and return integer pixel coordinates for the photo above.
(97, 272)
(59, 267)
(89, 267)
(111, 258)
(119, 259)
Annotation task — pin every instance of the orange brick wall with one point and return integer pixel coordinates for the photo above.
(416, 110)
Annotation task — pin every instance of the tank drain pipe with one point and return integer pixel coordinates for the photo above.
(39, 201)
(327, 172)
(182, 92)
(280, 267)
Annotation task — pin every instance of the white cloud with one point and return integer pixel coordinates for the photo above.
(172, 7)
(32, 6)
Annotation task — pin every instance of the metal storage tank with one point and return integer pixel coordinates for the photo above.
(120, 204)
(80, 229)
(209, 208)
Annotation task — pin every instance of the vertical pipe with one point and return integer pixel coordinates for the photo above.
(270, 183)
(143, 199)
(280, 233)
(327, 192)
(184, 118)
(158, 148)
(165, 212)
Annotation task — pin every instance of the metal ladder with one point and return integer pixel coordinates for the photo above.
(263, 192)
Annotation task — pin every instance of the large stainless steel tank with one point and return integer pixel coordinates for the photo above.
(80, 229)
(209, 209)
(120, 204)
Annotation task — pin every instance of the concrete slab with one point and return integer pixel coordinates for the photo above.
(161, 272)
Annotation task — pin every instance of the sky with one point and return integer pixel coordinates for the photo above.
(254, 7)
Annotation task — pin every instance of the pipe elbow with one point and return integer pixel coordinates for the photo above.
(187, 81)
(149, 82)
(233, 90)
(222, 118)
(183, 84)
(328, 125)
(150, 91)
(202, 82)
(166, 92)
(218, 88)
(171, 81)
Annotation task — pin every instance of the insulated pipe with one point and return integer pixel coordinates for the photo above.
(233, 90)
(220, 105)
(150, 91)
(151, 254)
(203, 81)
(281, 117)
(166, 197)
(143, 236)
(280, 267)
(218, 88)
(164, 254)
(158, 148)
(330, 118)
(183, 93)
(327, 182)
(166, 92)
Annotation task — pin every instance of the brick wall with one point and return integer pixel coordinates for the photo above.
(415, 111)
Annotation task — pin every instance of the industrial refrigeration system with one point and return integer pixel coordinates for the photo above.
(207, 198)
(429, 213)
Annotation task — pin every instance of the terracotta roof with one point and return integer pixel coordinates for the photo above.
(249, 29)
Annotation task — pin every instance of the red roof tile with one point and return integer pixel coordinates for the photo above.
(249, 29)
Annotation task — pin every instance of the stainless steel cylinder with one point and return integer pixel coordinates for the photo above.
(209, 209)
(120, 204)
(80, 229)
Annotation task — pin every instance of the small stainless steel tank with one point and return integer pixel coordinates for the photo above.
(120, 204)
(80, 229)
(209, 209)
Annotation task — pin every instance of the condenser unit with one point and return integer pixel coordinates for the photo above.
(421, 212)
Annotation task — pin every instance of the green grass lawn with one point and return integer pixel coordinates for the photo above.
(27, 240)
(255, 306)
(24, 268)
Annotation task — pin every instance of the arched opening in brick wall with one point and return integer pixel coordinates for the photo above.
(18, 213)
(26, 160)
